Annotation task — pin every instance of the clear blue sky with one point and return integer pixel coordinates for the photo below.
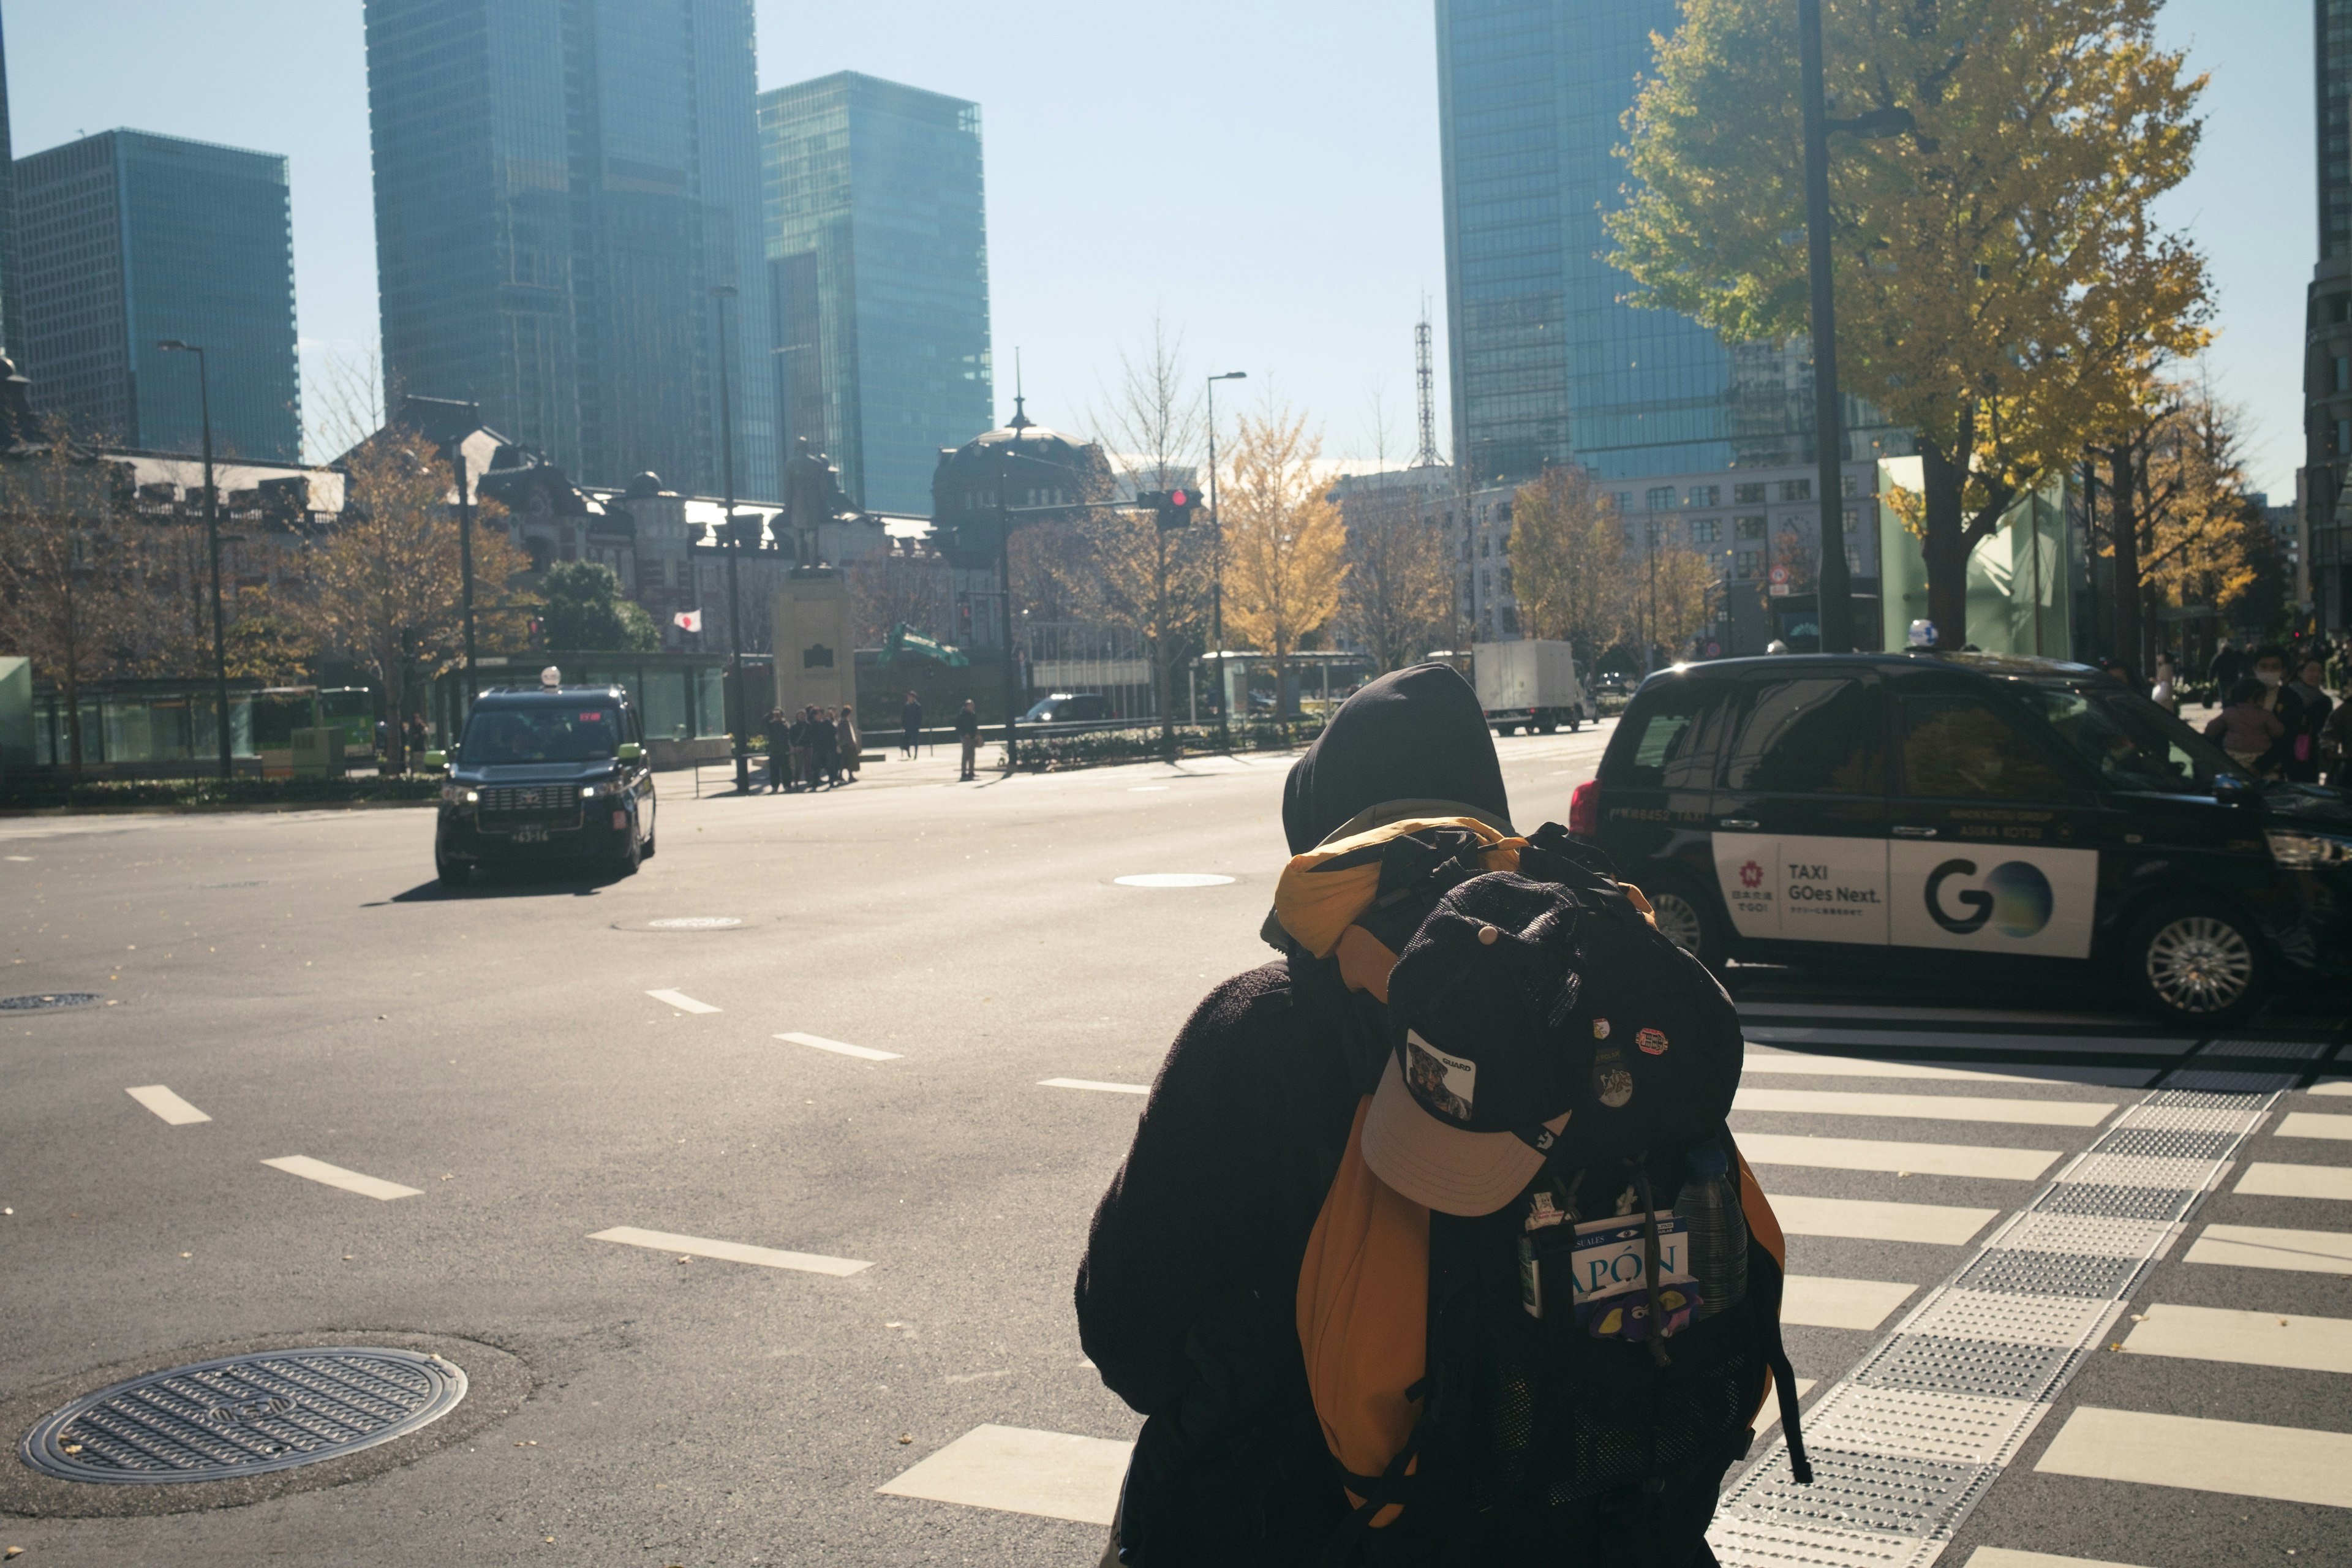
(1261, 176)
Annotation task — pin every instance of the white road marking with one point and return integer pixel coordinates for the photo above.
(681, 1001)
(1926, 1107)
(1781, 1061)
(841, 1049)
(1173, 880)
(2246, 1338)
(2339, 1086)
(167, 1105)
(732, 1251)
(1941, 1039)
(2288, 1464)
(2264, 1180)
(1886, 1154)
(2315, 1124)
(2002, 1557)
(1929, 1014)
(1819, 1303)
(1864, 1219)
(319, 1171)
(1092, 1083)
(1054, 1475)
(2260, 1247)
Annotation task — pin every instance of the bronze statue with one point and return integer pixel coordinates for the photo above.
(812, 497)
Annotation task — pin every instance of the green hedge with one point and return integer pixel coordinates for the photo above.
(100, 794)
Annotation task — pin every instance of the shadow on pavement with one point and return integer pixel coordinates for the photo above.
(518, 882)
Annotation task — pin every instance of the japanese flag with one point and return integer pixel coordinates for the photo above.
(689, 620)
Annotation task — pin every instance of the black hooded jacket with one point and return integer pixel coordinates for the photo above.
(1186, 1298)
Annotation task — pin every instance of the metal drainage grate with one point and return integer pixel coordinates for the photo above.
(44, 1004)
(243, 1415)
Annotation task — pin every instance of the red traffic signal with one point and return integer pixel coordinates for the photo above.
(1171, 508)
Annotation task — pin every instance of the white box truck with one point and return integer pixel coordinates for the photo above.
(1530, 682)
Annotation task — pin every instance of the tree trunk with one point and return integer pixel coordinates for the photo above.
(1945, 546)
(1162, 647)
(395, 698)
(2123, 467)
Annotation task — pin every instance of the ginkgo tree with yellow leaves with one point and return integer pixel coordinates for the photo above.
(2001, 286)
(1285, 546)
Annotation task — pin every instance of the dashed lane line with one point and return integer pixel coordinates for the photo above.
(1929, 1107)
(167, 1105)
(1053, 1474)
(840, 1047)
(1865, 1219)
(1094, 1084)
(2301, 1343)
(1888, 1154)
(2315, 1124)
(2261, 1246)
(319, 1171)
(2266, 1180)
(681, 1001)
(2238, 1458)
(732, 1251)
(1815, 1301)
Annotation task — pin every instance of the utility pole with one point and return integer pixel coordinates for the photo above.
(211, 544)
(1836, 596)
(1217, 573)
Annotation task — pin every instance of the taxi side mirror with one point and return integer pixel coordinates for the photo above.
(629, 752)
(433, 760)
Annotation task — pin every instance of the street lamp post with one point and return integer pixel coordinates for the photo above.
(723, 292)
(211, 544)
(1217, 572)
(1834, 601)
(465, 550)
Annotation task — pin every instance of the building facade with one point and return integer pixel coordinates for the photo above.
(126, 238)
(8, 321)
(2326, 554)
(877, 236)
(560, 187)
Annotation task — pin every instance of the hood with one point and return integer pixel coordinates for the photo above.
(2308, 805)
(1416, 735)
(532, 773)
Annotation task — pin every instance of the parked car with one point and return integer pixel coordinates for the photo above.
(545, 773)
(1976, 811)
(1066, 708)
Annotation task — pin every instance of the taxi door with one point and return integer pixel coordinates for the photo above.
(1800, 816)
(1991, 849)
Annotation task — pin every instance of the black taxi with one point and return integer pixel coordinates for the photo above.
(545, 773)
(1969, 809)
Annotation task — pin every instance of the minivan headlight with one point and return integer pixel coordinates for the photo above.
(460, 795)
(2307, 851)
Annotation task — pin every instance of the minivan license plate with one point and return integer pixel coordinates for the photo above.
(530, 835)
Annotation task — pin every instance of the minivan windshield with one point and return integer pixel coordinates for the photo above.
(572, 732)
(2134, 743)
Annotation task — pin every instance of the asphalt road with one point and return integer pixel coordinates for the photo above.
(302, 982)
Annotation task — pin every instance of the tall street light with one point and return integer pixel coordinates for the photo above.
(212, 543)
(465, 547)
(1217, 575)
(1834, 601)
(723, 292)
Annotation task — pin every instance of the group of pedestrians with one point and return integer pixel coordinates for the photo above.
(816, 748)
(2280, 723)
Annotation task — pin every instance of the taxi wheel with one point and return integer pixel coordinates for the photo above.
(631, 853)
(1684, 919)
(2196, 962)
(453, 873)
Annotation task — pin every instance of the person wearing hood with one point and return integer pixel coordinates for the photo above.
(1186, 1295)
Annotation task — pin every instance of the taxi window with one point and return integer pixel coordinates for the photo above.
(1960, 747)
(1817, 735)
(2132, 743)
(1668, 737)
(575, 732)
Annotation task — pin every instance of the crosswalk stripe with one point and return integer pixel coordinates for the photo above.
(1928, 1107)
(1053, 1474)
(1094, 1084)
(1798, 1065)
(732, 1251)
(2315, 1124)
(1865, 1219)
(1887, 1154)
(2002, 1557)
(167, 1105)
(2242, 1338)
(841, 1049)
(2332, 1086)
(2261, 1246)
(2264, 1179)
(2240, 1459)
(1945, 1040)
(319, 1171)
(1876, 1012)
(1817, 1301)
(681, 1001)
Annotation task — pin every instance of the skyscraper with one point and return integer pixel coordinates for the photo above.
(877, 248)
(2327, 329)
(559, 185)
(125, 239)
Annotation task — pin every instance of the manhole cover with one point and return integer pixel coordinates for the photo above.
(43, 1004)
(1173, 880)
(243, 1415)
(695, 922)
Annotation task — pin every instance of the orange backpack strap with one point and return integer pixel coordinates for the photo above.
(1363, 1314)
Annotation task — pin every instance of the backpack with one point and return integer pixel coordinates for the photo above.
(1580, 1389)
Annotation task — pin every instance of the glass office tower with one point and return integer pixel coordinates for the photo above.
(125, 239)
(559, 185)
(877, 248)
(8, 322)
(2327, 331)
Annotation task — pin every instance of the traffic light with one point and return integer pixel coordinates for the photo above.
(1171, 509)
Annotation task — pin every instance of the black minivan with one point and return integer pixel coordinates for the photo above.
(1973, 809)
(546, 772)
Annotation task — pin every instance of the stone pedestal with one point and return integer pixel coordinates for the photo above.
(815, 662)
